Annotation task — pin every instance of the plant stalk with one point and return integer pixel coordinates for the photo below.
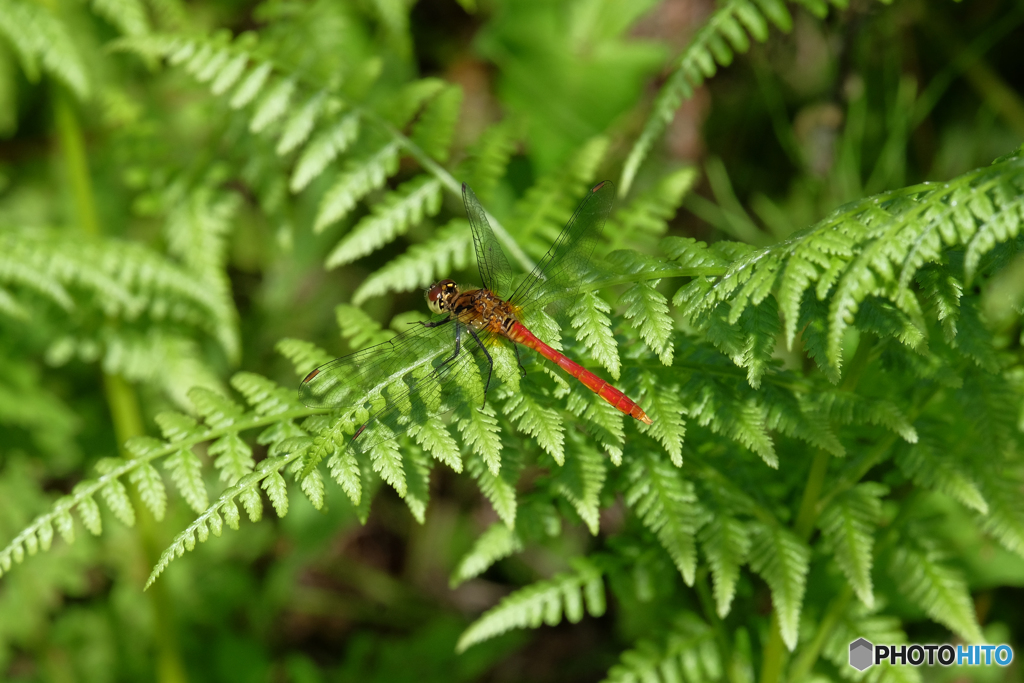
(121, 397)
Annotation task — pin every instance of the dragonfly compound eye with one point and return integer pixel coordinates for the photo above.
(438, 295)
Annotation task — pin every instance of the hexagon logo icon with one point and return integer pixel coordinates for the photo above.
(861, 654)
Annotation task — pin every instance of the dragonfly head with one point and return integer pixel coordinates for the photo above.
(440, 295)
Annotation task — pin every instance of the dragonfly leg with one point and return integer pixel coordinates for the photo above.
(458, 342)
(433, 324)
(519, 362)
(490, 363)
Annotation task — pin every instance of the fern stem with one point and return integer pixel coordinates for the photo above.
(809, 655)
(774, 652)
(121, 396)
(72, 146)
(808, 513)
(453, 185)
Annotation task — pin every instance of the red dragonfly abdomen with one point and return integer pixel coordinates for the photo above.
(520, 335)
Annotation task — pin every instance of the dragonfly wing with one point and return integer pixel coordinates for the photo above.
(558, 275)
(400, 382)
(426, 396)
(349, 379)
(495, 273)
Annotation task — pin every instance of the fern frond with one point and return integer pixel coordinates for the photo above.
(1005, 518)
(489, 157)
(667, 505)
(687, 653)
(723, 34)
(580, 480)
(848, 525)
(922, 575)
(324, 148)
(391, 217)
(665, 408)
(498, 542)
(648, 214)
(499, 489)
(422, 265)
(537, 419)
(726, 543)
(543, 602)
(39, 37)
(223, 421)
(129, 16)
(783, 560)
(856, 254)
(929, 464)
(435, 128)
(359, 329)
(225, 510)
(361, 177)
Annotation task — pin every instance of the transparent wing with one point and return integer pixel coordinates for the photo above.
(400, 382)
(495, 273)
(558, 275)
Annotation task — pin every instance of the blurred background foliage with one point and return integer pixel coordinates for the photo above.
(93, 139)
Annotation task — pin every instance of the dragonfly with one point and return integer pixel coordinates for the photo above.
(439, 365)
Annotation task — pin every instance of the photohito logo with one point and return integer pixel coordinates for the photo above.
(864, 653)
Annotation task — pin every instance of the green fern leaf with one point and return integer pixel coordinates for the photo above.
(538, 420)
(647, 309)
(272, 106)
(500, 489)
(782, 560)
(217, 411)
(434, 130)
(359, 329)
(277, 491)
(589, 316)
(266, 397)
(667, 505)
(233, 457)
(848, 525)
(480, 431)
(1005, 518)
(418, 483)
(129, 16)
(688, 653)
(89, 511)
(929, 464)
(387, 462)
(422, 265)
(489, 157)
(151, 489)
(498, 542)
(919, 570)
(604, 422)
(304, 355)
(362, 177)
(250, 86)
(229, 74)
(649, 213)
(187, 474)
(742, 418)
(345, 470)
(322, 150)
(300, 124)
(434, 437)
(726, 542)
(115, 494)
(580, 481)
(542, 602)
(665, 408)
(393, 216)
(251, 501)
(698, 61)
(38, 36)
(313, 486)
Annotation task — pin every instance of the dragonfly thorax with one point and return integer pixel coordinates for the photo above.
(441, 295)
